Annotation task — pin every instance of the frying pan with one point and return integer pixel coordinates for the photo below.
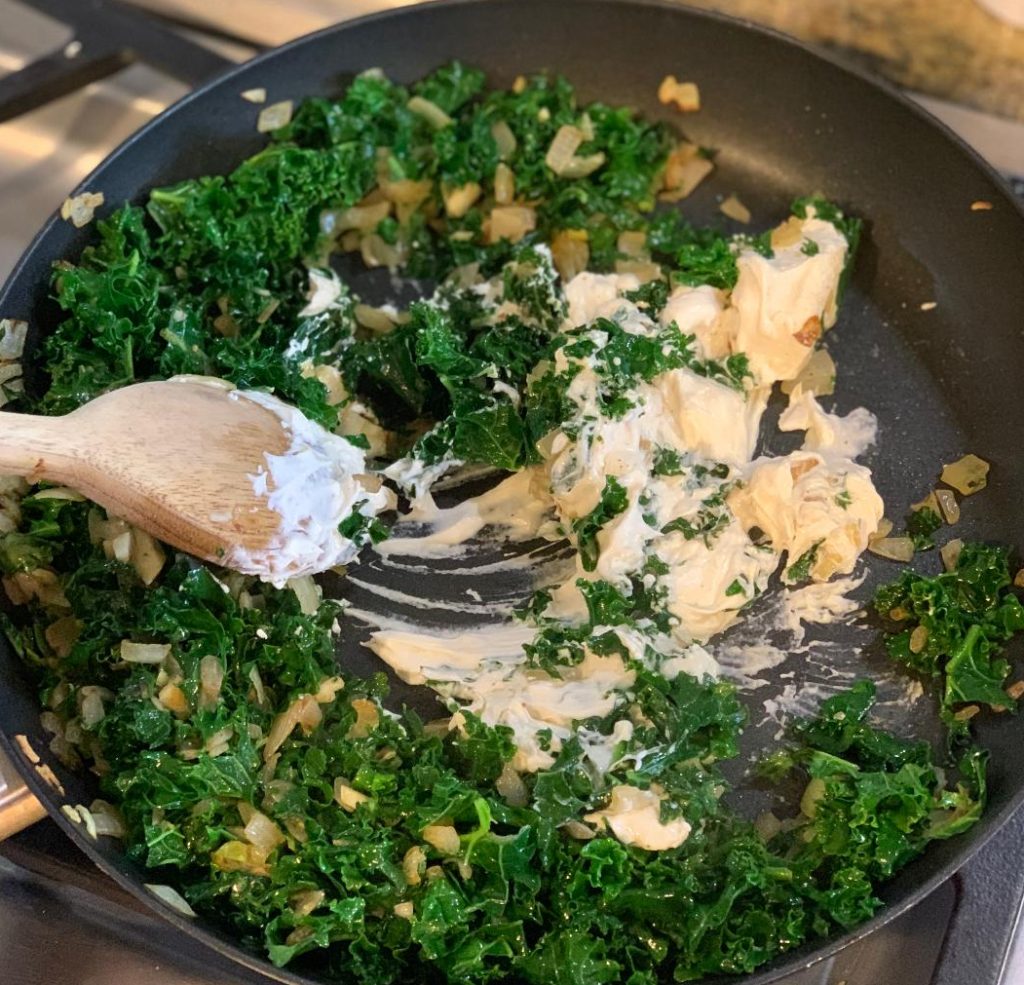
(786, 121)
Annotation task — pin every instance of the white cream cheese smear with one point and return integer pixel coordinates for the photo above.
(318, 483)
(653, 478)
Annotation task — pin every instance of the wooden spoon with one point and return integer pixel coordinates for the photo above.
(175, 459)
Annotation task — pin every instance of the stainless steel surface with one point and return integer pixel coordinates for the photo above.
(18, 808)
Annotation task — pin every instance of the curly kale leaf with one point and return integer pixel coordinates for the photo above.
(613, 502)
(954, 626)
(921, 527)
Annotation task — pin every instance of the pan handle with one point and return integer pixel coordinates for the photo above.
(108, 36)
(18, 808)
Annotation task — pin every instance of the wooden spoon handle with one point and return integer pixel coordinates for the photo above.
(36, 447)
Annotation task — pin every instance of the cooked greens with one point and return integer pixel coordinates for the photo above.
(264, 842)
(954, 626)
(281, 798)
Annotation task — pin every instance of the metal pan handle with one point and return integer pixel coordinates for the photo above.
(18, 807)
(108, 36)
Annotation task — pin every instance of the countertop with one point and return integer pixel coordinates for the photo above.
(952, 49)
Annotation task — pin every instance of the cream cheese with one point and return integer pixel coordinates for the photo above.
(781, 304)
(634, 817)
(318, 482)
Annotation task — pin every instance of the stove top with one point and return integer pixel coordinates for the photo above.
(53, 902)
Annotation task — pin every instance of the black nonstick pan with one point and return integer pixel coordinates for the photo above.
(943, 379)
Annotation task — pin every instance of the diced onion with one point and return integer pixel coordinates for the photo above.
(296, 827)
(633, 243)
(893, 548)
(504, 138)
(80, 209)
(570, 251)
(884, 529)
(13, 333)
(305, 901)
(813, 793)
(967, 475)
(328, 690)
(60, 492)
(918, 639)
(950, 553)
(511, 787)
(767, 825)
(171, 897)
(735, 209)
(275, 116)
(578, 830)
(257, 684)
(582, 167)
(307, 592)
(121, 547)
(405, 191)
(211, 679)
(365, 218)
(173, 699)
(347, 797)
(685, 95)
(375, 319)
(644, 270)
(144, 653)
(62, 634)
(239, 856)
(430, 112)
(685, 169)
(511, 222)
(378, 253)
(219, 743)
(504, 184)
(789, 233)
(260, 831)
(303, 711)
(146, 555)
(948, 506)
(107, 819)
(91, 707)
(367, 718)
(443, 837)
(458, 201)
(563, 148)
(413, 865)
(930, 502)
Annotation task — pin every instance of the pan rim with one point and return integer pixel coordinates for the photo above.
(208, 933)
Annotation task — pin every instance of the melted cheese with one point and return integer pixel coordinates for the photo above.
(777, 301)
(634, 817)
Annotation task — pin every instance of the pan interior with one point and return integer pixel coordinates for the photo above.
(942, 382)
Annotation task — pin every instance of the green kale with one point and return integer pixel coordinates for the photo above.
(953, 626)
(651, 296)
(873, 801)
(614, 501)
(800, 570)
(667, 461)
(710, 520)
(921, 527)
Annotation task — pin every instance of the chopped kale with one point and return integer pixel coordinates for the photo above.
(953, 626)
(614, 501)
(921, 526)
(800, 570)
